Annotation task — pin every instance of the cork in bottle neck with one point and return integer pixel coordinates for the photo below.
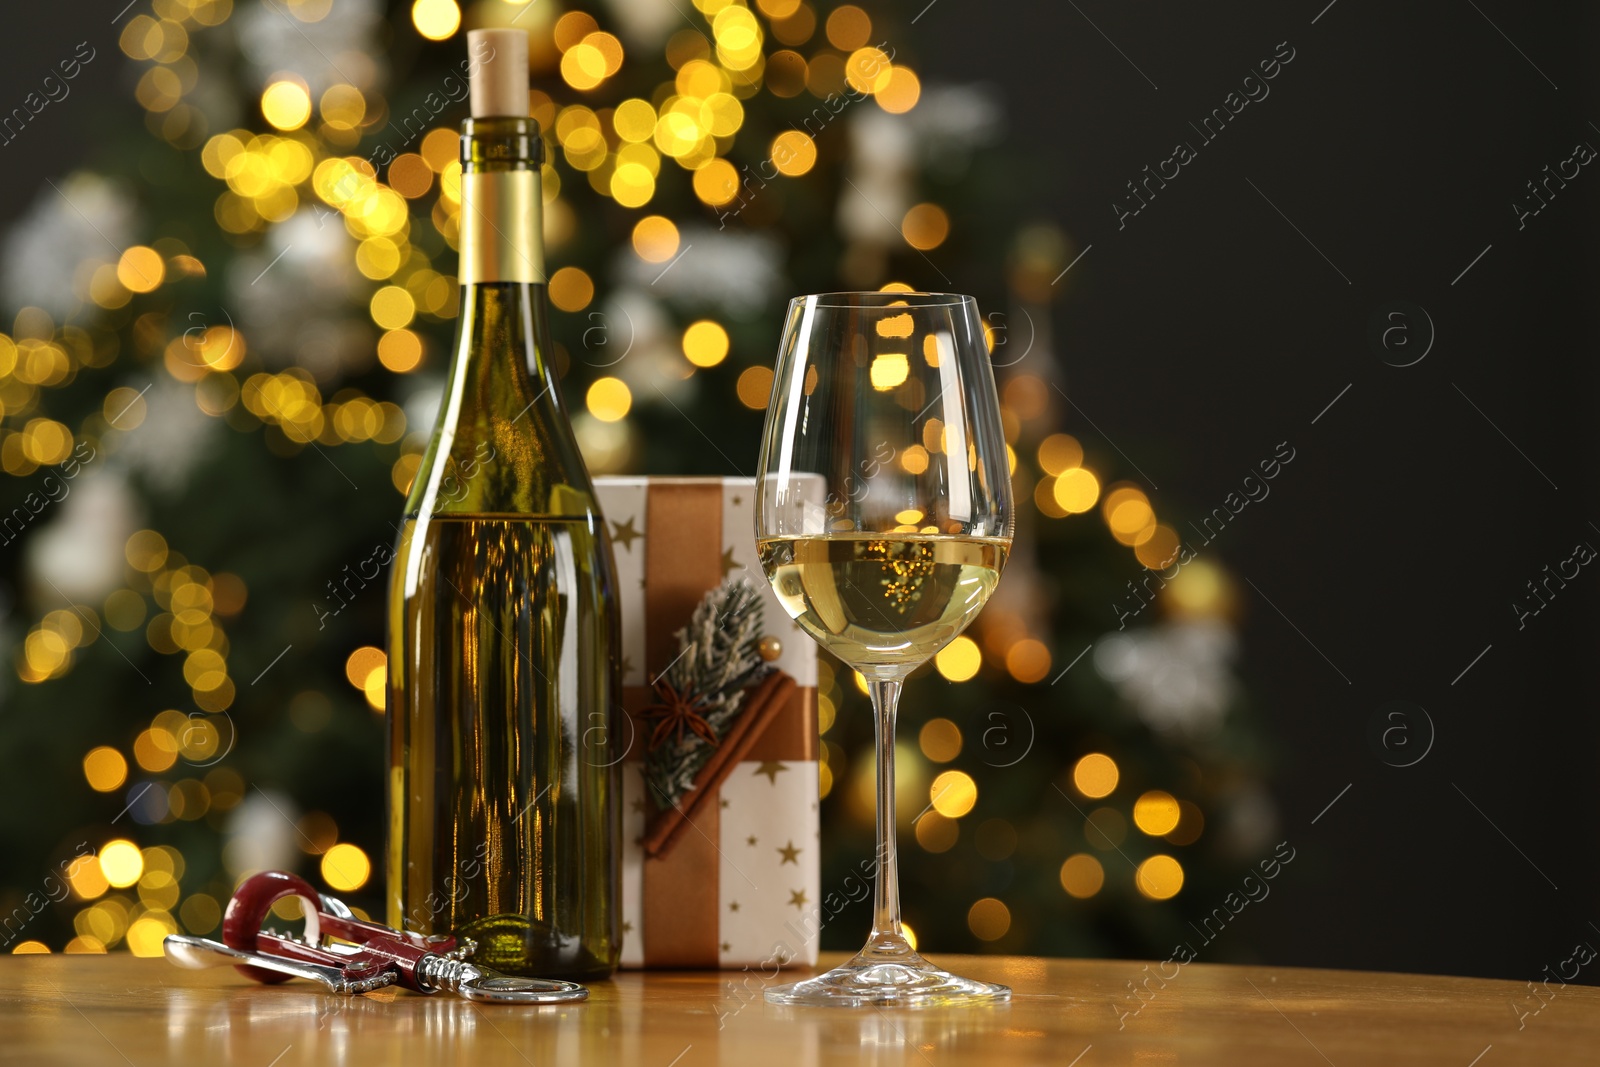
(498, 82)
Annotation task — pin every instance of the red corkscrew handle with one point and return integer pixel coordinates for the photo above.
(249, 907)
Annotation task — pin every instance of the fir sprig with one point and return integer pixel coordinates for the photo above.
(718, 657)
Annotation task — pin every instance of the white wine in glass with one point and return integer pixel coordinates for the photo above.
(891, 398)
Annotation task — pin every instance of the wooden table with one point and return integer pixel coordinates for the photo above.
(110, 1010)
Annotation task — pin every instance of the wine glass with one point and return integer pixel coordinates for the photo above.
(890, 397)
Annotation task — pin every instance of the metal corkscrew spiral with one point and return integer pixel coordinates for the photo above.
(435, 973)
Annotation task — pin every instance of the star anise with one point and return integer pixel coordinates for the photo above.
(676, 712)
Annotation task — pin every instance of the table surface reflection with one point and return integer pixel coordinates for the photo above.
(116, 1009)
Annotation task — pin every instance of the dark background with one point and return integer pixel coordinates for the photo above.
(1208, 330)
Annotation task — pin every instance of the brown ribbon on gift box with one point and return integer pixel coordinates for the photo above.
(679, 902)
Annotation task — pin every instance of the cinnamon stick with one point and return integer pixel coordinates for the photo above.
(761, 705)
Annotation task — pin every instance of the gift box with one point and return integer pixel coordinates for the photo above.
(739, 885)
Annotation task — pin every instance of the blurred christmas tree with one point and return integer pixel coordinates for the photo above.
(227, 347)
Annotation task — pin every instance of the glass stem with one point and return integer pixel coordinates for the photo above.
(887, 938)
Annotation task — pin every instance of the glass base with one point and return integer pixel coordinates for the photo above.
(896, 980)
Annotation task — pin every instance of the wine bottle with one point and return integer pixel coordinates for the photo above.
(504, 641)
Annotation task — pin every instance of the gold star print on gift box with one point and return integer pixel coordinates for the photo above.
(623, 534)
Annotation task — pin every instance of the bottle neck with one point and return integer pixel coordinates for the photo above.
(502, 444)
(502, 207)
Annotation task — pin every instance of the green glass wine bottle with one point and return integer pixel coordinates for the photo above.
(504, 648)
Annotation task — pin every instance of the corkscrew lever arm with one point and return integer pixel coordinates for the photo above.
(199, 952)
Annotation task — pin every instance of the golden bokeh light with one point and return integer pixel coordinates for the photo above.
(571, 289)
(716, 182)
(121, 863)
(105, 769)
(345, 867)
(848, 28)
(901, 92)
(572, 28)
(1028, 660)
(738, 37)
(361, 664)
(1159, 877)
(31, 948)
(610, 50)
(1156, 813)
(343, 107)
(583, 66)
(754, 387)
(989, 919)
(393, 307)
(146, 933)
(440, 148)
(793, 153)
(410, 175)
(436, 19)
(87, 879)
(705, 343)
(155, 750)
(867, 70)
(655, 239)
(953, 793)
(1159, 547)
(1128, 513)
(400, 351)
(634, 120)
(1059, 453)
(1200, 589)
(140, 269)
(1082, 876)
(894, 325)
(925, 227)
(940, 740)
(1095, 775)
(888, 370)
(959, 660)
(609, 399)
(632, 185)
(286, 104)
(146, 550)
(1076, 490)
(46, 441)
